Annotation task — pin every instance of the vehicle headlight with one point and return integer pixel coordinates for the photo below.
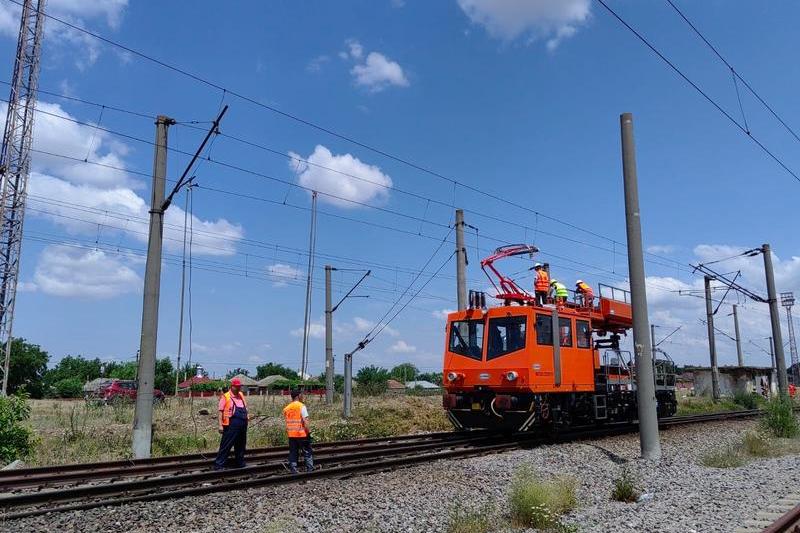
(452, 376)
(511, 375)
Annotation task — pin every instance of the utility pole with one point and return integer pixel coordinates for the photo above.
(143, 417)
(771, 354)
(775, 319)
(183, 290)
(739, 354)
(312, 239)
(645, 381)
(653, 339)
(461, 261)
(712, 346)
(328, 337)
(787, 301)
(348, 384)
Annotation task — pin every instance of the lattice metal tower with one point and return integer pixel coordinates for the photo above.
(787, 300)
(15, 158)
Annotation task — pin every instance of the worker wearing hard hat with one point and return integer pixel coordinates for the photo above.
(541, 285)
(560, 292)
(233, 419)
(584, 290)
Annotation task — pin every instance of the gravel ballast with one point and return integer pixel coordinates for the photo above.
(682, 496)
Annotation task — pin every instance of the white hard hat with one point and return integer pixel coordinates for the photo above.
(579, 282)
(537, 265)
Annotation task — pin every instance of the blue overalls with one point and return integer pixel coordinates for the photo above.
(233, 436)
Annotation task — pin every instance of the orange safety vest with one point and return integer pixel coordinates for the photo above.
(585, 289)
(227, 410)
(542, 283)
(293, 413)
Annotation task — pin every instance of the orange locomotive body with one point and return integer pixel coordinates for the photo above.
(521, 365)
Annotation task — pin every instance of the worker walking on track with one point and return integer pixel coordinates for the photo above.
(541, 284)
(560, 292)
(233, 419)
(585, 291)
(299, 432)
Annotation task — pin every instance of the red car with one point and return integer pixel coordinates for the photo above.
(125, 390)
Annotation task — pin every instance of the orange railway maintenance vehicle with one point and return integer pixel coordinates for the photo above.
(520, 366)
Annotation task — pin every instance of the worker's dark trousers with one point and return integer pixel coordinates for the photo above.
(296, 445)
(541, 297)
(233, 436)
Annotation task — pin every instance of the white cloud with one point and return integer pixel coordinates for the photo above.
(442, 313)
(281, 274)
(663, 249)
(315, 65)
(77, 12)
(363, 325)
(331, 174)
(402, 346)
(79, 196)
(379, 72)
(374, 71)
(315, 331)
(73, 272)
(551, 20)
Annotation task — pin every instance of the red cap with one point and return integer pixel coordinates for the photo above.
(236, 382)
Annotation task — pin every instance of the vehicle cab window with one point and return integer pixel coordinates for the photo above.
(506, 335)
(583, 333)
(466, 338)
(544, 330)
(565, 332)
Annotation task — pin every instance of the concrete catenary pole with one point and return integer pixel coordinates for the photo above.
(774, 316)
(143, 416)
(645, 383)
(461, 261)
(653, 339)
(183, 292)
(712, 345)
(348, 384)
(328, 337)
(739, 354)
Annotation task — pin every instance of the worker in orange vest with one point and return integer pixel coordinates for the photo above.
(298, 431)
(792, 390)
(233, 420)
(541, 285)
(585, 291)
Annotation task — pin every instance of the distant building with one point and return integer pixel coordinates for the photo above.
(735, 379)
(395, 387)
(249, 385)
(427, 385)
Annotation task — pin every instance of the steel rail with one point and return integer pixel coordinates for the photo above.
(264, 475)
(789, 522)
(127, 463)
(102, 471)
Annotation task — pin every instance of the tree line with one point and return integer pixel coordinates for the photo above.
(29, 372)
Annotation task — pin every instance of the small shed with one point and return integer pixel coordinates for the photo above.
(395, 387)
(737, 379)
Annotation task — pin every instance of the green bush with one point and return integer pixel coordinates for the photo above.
(536, 503)
(625, 488)
(16, 440)
(748, 400)
(209, 386)
(779, 419)
(756, 444)
(464, 520)
(69, 388)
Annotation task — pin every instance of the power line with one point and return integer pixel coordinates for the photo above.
(734, 71)
(311, 124)
(698, 89)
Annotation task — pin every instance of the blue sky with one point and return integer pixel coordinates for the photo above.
(517, 99)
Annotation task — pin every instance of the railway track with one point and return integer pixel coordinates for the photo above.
(36, 491)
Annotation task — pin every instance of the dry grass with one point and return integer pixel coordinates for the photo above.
(71, 431)
(754, 445)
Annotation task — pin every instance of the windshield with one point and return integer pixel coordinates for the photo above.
(466, 338)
